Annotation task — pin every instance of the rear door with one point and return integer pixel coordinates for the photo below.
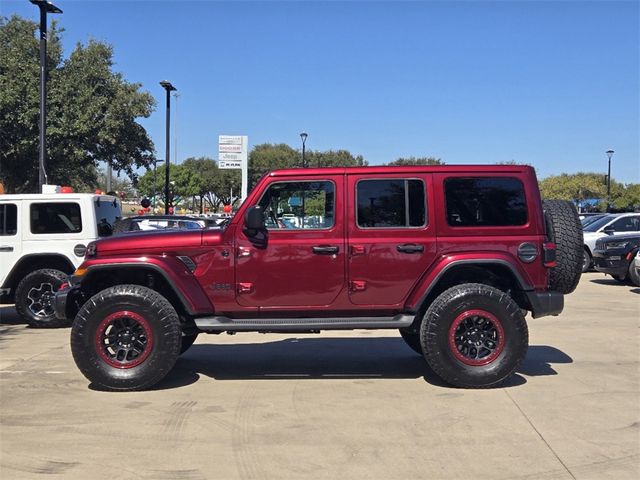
(391, 236)
(10, 241)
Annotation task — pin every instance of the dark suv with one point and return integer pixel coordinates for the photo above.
(614, 256)
(451, 256)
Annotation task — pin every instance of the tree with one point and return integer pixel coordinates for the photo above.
(414, 161)
(583, 186)
(92, 111)
(118, 183)
(334, 158)
(266, 157)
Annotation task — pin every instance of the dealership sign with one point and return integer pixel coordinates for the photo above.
(232, 154)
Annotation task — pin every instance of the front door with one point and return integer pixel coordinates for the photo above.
(392, 238)
(303, 262)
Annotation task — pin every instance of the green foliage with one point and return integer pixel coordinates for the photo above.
(266, 157)
(582, 186)
(119, 183)
(195, 177)
(91, 116)
(415, 161)
(334, 158)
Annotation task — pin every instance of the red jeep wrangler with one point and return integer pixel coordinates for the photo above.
(452, 256)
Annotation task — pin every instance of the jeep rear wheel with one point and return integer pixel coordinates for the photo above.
(565, 230)
(34, 298)
(474, 336)
(634, 276)
(126, 337)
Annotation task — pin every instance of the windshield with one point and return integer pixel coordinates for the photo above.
(599, 223)
(589, 220)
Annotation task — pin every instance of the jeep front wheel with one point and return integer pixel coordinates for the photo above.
(34, 298)
(126, 337)
(474, 336)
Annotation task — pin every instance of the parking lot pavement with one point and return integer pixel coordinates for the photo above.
(335, 405)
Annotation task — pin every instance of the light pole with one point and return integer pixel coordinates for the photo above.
(155, 184)
(176, 95)
(609, 154)
(303, 136)
(45, 7)
(169, 88)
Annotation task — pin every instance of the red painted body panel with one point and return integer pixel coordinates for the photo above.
(287, 279)
(287, 273)
(150, 241)
(176, 273)
(389, 274)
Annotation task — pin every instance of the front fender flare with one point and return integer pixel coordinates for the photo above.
(182, 282)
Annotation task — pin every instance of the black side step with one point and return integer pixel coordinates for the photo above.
(226, 324)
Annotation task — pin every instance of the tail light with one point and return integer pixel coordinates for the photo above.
(549, 254)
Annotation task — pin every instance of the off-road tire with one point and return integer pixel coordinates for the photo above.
(412, 339)
(633, 276)
(187, 341)
(436, 335)
(565, 230)
(587, 261)
(149, 307)
(41, 285)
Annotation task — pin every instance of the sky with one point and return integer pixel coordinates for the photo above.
(553, 84)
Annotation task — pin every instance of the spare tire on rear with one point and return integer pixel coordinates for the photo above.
(565, 230)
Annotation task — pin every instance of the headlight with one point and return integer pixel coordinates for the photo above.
(616, 245)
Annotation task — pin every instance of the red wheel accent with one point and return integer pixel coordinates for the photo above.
(476, 337)
(124, 339)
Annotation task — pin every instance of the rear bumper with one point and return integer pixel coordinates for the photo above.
(545, 303)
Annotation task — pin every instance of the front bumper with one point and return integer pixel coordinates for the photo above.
(612, 266)
(545, 303)
(66, 302)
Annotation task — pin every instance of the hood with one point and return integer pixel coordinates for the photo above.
(150, 241)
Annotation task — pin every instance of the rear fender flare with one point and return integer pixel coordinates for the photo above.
(430, 279)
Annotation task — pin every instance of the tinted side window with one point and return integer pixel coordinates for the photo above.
(485, 201)
(8, 219)
(55, 218)
(299, 205)
(107, 214)
(393, 203)
(627, 224)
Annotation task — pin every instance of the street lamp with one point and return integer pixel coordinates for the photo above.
(45, 7)
(155, 193)
(303, 136)
(169, 88)
(609, 154)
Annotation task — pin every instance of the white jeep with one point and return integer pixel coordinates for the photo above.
(43, 238)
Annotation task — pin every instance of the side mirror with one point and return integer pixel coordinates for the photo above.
(254, 218)
(254, 227)
(609, 230)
